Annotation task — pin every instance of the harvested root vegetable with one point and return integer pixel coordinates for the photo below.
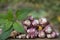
(42, 21)
(48, 29)
(57, 34)
(35, 22)
(32, 33)
(27, 23)
(31, 18)
(14, 34)
(49, 36)
(27, 36)
(53, 34)
(21, 36)
(41, 34)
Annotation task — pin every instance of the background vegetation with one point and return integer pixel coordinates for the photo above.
(12, 11)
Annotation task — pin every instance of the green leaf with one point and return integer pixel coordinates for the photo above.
(6, 34)
(38, 14)
(10, 15)
(18, 27)
(5, 24)
(22, 14)
(6, 28)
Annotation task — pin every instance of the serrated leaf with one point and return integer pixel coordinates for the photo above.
(6, 34)
(22, 14)
(18, 27)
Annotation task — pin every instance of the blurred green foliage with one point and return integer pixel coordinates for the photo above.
(18, 27)
(22, 14)
(41, 8)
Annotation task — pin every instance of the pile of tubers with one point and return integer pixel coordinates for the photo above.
(37, 28)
